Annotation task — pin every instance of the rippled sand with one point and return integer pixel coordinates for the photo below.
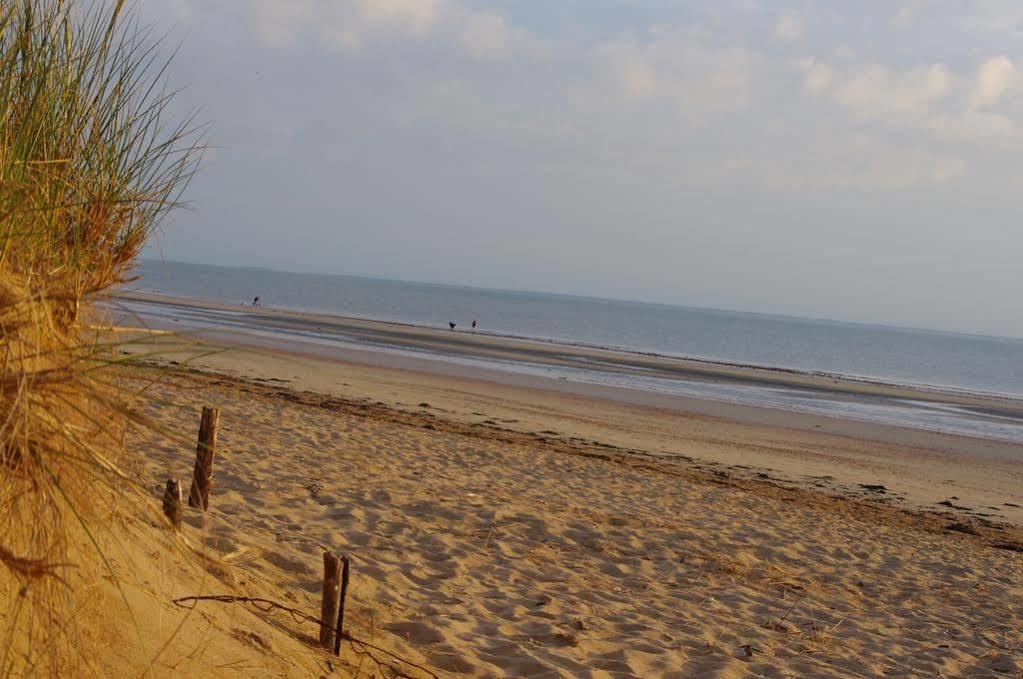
(483, 551)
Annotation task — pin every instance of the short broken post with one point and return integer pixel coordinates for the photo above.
(339, 628)
(172, 503)
(331, 599)
(202, 476)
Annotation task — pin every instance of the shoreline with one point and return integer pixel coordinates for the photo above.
(781, 375)
(910, 468)
(954, 412)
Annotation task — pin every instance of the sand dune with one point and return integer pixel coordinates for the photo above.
(483, 551)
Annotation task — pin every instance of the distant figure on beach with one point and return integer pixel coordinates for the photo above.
(452, 324)
(474, 326)
(256, 301)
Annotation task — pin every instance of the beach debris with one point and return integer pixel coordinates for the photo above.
(390, 661)
(202, 476)
(996, 662)
(960, 527)
(172, 503)
(1010, 546)
(950, 504)
(567, 638)
(874, 487)
(251, 638)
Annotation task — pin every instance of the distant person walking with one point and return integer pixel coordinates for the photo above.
(256, 301)
(474, 326)
(452, 324)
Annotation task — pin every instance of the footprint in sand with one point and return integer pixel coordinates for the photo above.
(417, 633)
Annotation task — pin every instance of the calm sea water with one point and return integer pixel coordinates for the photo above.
(895, 355)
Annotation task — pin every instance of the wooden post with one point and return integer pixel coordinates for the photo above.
(329, 604)
(345, 563)
(172, 502)
(202, 477)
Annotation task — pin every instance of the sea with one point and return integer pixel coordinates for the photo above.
(935, 360)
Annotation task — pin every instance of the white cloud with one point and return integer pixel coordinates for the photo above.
(857, 161)
(995, 77)
(691, 101)
(347, 24)
(637, 77)
(876, 91)
(977, 129)
(908, 11)
(788, 27)
(817, 76)
(488, 36)
(679, 66)
(418, 14)
(896, 169)
(351, 25)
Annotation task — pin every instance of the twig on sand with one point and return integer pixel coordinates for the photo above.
(792, 607)
(359, 646)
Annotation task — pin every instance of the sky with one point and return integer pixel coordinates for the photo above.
(855, 161)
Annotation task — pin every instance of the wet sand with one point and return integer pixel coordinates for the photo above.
(403, 336)
(690, 385)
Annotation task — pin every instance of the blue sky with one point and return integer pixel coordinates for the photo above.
(859, 161)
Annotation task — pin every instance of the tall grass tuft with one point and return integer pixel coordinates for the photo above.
(92, 158)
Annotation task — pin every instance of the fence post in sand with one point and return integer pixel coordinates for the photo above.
(202, 476)
(338, 629)
(172, 503)
(329, 605)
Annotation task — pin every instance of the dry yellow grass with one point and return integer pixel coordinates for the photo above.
(89, 165)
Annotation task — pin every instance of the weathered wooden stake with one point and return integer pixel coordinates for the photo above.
(345, 563)
(202, 476)
(172, 502)
(329, 604)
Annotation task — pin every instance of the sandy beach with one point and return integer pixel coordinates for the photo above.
(415, 340)
(524, 530)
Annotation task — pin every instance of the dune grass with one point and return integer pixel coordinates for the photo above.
(92, 158)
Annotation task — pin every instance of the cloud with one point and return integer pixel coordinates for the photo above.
(908, 11)
(679, 66)
(889, 168)
(683, 100)
(636, 77)
(818, 76)
(788, 27)
(976, 130)
(418, 14)
(876, 90)
(353, 25)
(348, 24)
(487, 36)
(995, 77)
